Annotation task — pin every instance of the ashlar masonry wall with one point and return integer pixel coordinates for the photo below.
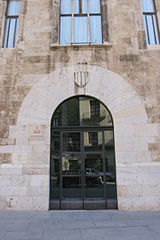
(38, 75)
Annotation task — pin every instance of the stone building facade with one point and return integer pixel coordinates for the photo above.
(39, 74)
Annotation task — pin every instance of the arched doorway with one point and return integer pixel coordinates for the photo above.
(82, 171)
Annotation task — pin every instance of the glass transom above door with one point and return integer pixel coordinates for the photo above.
(82, 111)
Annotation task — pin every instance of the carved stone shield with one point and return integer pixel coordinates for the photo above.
(81, 75)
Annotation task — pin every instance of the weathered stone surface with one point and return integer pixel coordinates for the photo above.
(38, 75)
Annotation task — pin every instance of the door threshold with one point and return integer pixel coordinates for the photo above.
(87, 205)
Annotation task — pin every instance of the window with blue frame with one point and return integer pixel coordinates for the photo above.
(11, 25)
(80, 22)
(150, 22)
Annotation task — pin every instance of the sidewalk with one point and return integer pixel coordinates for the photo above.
(79, 225)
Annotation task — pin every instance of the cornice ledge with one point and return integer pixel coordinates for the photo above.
(57, 46)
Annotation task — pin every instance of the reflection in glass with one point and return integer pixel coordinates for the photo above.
(71, 141)
(94, 186)
(84, 154)
(71, 176)
(55, 145)
(93, 141)
(55, 177)
(55, 165)
(71, 164)
(82, 111)
(110, 165)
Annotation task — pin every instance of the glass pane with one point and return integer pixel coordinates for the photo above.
(55, 144)
(156, 30)
(66, 30)
(13, 8)
(16, 31)
(95, 29)
(71, 142)
(55, 176)
(93, 113)
(76, 6)
(6, 33)
(80, 30)
(55, 165)
(92, 141)
(110, 165)
(148, 5)
(95, 108)
(145, 25)
(82, 111)
(66, 6)
(94, 6)
(71, 175)
(94, 186)
(11, 33)
(150, 29)
(84, 6)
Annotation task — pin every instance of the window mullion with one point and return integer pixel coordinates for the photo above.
(80, 7)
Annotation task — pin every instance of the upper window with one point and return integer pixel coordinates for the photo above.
(150, 21)
(11, 26)
(80, 22)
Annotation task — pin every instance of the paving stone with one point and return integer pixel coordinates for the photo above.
(155, 228)
(63, 234)
(111, 223)
(13, 227)
(79, 225)
(2, 235)
(24, 235)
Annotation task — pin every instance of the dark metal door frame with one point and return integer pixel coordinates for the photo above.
(82, 154)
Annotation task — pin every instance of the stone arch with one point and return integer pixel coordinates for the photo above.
(118, 95)
(126, 107)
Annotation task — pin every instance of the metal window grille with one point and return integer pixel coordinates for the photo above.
(150, 22)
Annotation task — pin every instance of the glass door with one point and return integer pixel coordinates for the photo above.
(71, 171)
(83, 170)
(94, 168)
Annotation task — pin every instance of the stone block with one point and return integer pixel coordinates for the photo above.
(13, 191)
(39, 180)
(10, 169)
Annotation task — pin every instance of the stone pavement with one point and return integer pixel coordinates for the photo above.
(79, 225)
